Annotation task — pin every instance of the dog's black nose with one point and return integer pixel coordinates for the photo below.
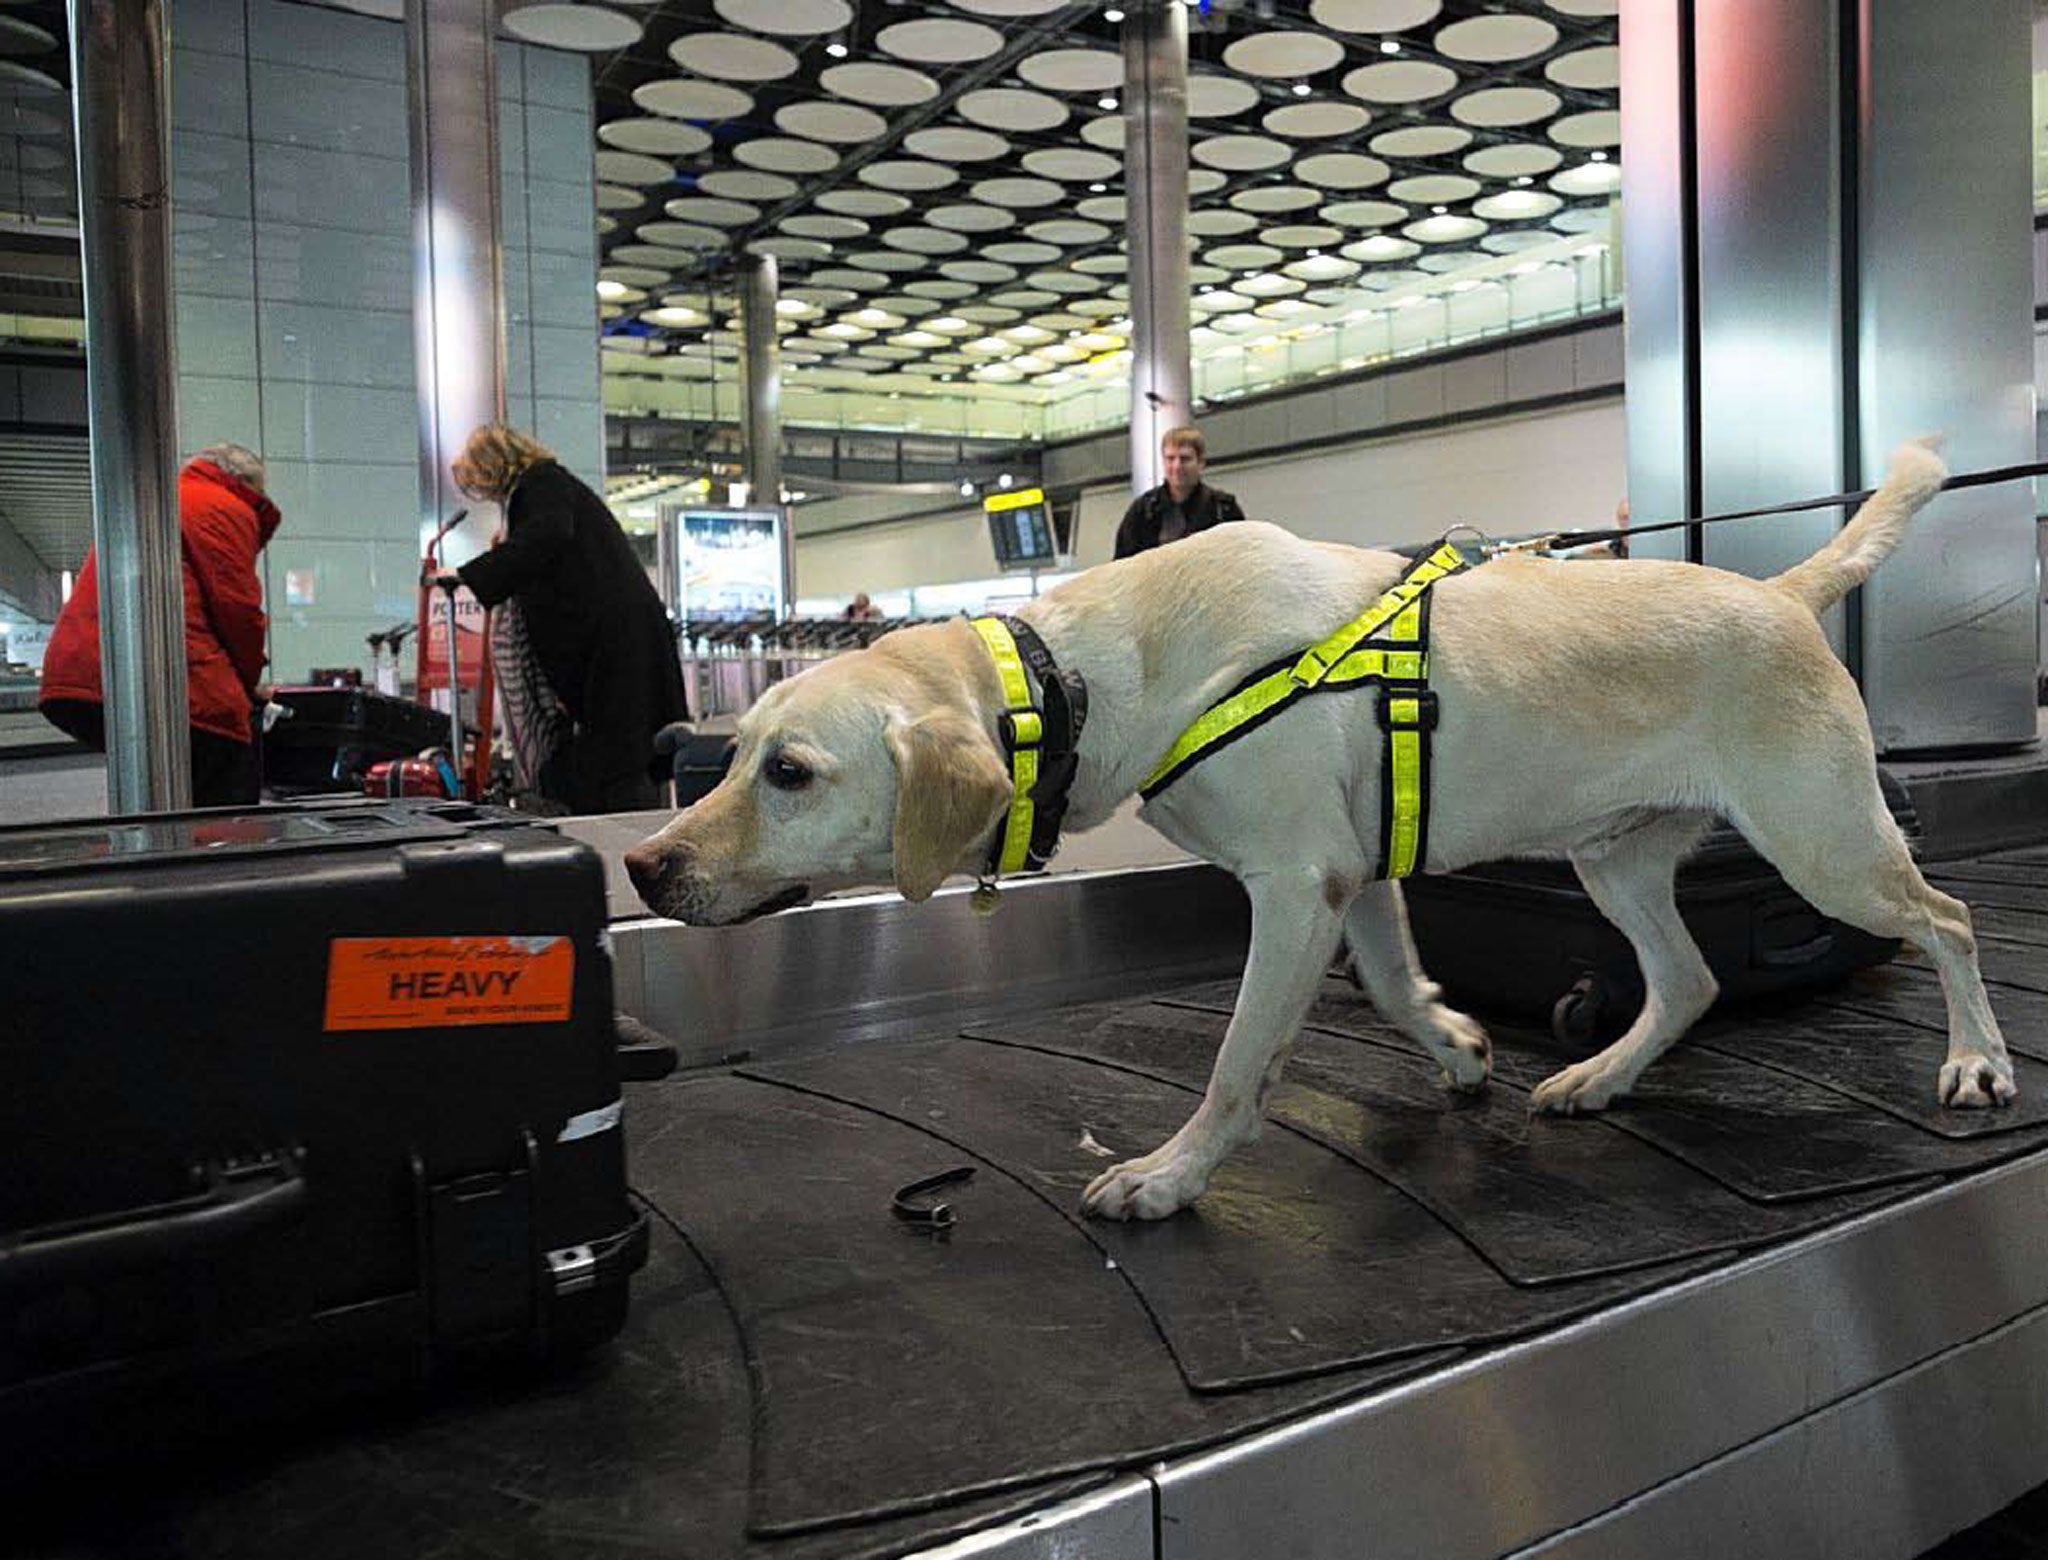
(646, 866)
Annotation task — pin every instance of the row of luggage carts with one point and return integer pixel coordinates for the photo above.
(728, 663)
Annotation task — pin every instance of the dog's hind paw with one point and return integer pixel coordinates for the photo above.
(1580, 1089)
(1976, 1082)
(1154, 1187)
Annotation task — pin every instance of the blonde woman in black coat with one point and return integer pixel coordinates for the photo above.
(595, 623)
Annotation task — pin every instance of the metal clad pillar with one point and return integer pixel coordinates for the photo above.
(1829, 252)
(1769, 231)
(1945, 308)
(1658, 247)
(120, 114)
(1156, 226)
(458, 293)
(760, 286)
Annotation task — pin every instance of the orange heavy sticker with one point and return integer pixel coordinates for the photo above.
(440, 982)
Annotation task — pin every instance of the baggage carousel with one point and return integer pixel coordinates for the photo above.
(1777, 1304)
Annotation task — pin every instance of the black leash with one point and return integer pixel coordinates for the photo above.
(1834, 500)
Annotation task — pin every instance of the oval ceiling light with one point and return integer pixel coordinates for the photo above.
(1373, 16)
(587, 29)
(1072, 164)
(1586, 7)
(1342, 170)
(1106, 132)
(1434, 189)
(656, 137)
(743, 184)
(885, 86)
(1444, 229)
(1400, 81)
(1313, 121)
(952, 144)
(970, 218)
(1501, 106)
(1602, 128)
(1018, 192)
(813, 225)
(1014, 109)
(1516, 205)
(1074, 70)
(1301, 235)
(1513, 161)
(1494, 40)
(939, 41)
(1588, 70)
(1274, 199)
(710, 209)
(1422, 141)
(841, 123)
(1284, 56)
(720, 56)
(1211, 96)
(901, 173)
(1588, 179)
(633, 168)
(791, 18)
(862, 203)
(1018, 252)
(783, 154)
(1363, 213)
(1220, 224)
(1240, 153)
(708, 101)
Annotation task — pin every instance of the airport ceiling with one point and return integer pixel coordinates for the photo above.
(942, 183)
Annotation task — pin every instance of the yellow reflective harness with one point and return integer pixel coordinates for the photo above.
(1386, 646)
(1038, 743)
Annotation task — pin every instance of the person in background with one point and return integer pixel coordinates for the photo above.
(224, 521)
(1179, 506)
(594, 622)
(862, 610)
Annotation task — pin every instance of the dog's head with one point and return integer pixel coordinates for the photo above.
(874, 767)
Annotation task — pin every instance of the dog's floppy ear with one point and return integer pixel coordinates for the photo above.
(950, 789)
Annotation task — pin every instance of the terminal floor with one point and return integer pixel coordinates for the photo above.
(805, 1375)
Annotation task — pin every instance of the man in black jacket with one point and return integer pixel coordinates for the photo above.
(1179, 506)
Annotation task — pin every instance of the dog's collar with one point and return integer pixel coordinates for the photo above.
(1039, 739)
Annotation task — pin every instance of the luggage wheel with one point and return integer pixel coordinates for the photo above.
(1576, 1015)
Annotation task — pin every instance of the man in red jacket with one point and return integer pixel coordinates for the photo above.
(225, 522)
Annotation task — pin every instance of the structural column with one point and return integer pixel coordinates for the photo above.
(458, 289)
(120, 118)
(1826, 217)
(1156, 226)
(761, 370)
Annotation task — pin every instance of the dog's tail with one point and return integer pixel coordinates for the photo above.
(1872, 534)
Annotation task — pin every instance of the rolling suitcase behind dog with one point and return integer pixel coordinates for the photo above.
(299, 1104)
(1522, 940)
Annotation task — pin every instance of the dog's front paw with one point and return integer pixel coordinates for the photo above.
(1155, 1187)
(1581, 1088)
(1459, 1042)
(1976, 1082)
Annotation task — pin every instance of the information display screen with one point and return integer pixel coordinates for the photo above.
(723, 563)
(1021, 529)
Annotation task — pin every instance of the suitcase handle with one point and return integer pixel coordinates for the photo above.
(235, 1200)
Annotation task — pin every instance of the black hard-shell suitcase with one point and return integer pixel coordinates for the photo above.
(331, 736)
(298, 1104)
(697, 760)
(1522, 940)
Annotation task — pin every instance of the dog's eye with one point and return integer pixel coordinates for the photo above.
(785, 773)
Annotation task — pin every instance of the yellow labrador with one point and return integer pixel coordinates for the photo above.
(1598, 710)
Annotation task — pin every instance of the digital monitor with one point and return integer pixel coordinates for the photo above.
(1020, 525)
(723, 563)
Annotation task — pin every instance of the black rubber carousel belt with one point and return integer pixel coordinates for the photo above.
(1761, 1132)
(1545, 1202)
(639, 1448)
(897, 1370)
(1296, 1262)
